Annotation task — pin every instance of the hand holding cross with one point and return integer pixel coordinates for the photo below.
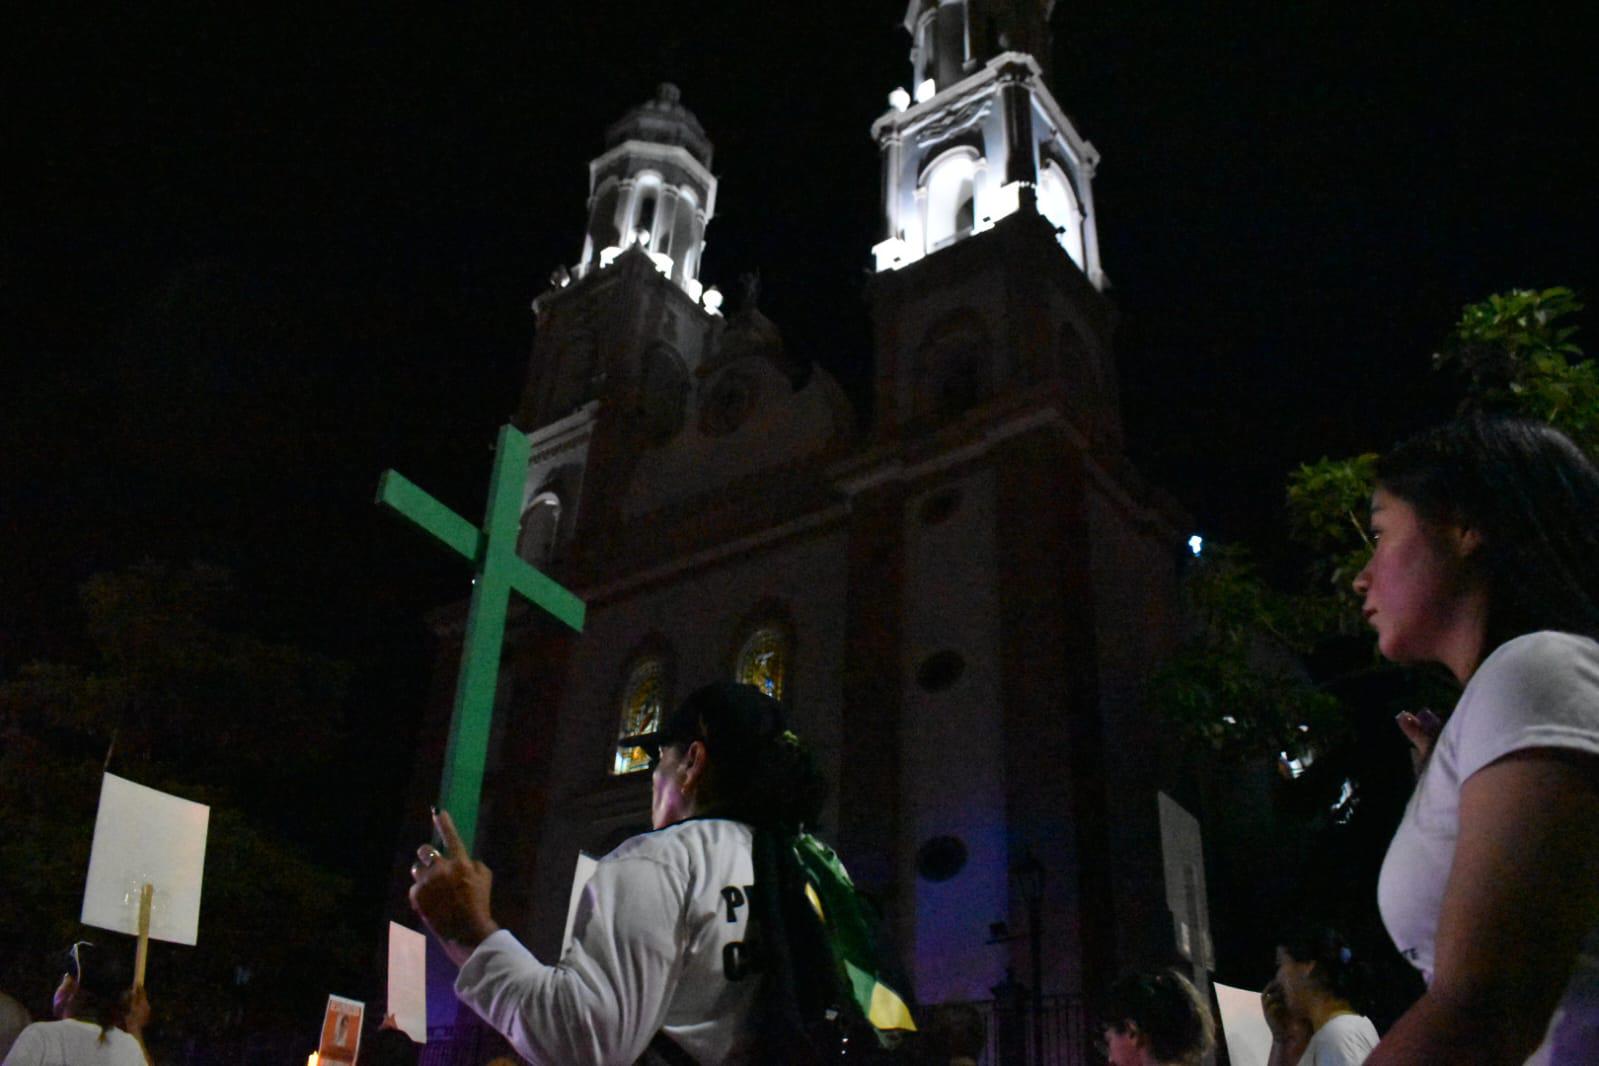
(450, 892)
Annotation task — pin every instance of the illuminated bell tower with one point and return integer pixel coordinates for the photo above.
(620, 335)
(652, 187)
(995, 389)
(979, 136)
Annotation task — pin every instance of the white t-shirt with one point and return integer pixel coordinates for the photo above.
(73, 1043)
(14, 1018)
(1345, 1040)
(656, 946)
(1540, 690)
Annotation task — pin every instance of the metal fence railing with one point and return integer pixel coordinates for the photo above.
(464, 1045)
(1012, 1038)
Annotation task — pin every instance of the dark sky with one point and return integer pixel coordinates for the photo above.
(251, 258)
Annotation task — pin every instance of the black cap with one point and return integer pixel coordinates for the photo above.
(103, 972)
(733, 721)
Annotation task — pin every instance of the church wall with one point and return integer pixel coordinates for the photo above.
(593, 335)
(1054, 737)
(777, 427)
(869, 771)
(1135, 588)
(696, 614)
(953, 772)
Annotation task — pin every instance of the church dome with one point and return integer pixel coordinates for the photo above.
(749, 332)
(662, 120)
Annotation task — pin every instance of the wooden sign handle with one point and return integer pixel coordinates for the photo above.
(143, 951)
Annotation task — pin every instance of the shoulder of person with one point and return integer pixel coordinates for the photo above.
(1345, 1040)
(1544, 658)
(682, 840)
(1542, 688)
(30, 1040)
(1354, 1027)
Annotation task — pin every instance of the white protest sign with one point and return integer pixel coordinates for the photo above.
(408, 986)
(142, 837)
(580, 879)
(1243, 1023)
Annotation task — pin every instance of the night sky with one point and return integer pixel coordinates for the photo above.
(252, 257)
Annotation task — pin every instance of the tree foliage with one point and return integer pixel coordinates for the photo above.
(1234, 688)
(1516, 355)
(175, 697)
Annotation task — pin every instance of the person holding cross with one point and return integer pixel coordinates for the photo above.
(698, 942)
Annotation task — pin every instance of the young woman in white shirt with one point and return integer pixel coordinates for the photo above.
(1320, 981)
(1487, 563)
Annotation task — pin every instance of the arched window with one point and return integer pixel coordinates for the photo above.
(950, 204)
(763, 661)
(680, 242)
(663, 391)
(965, 210)
(954, 366)
(602, 223)
(1058, 203)
(643, 698)
(540, 522)
(646, 198)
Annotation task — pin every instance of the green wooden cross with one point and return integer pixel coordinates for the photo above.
(497, 571)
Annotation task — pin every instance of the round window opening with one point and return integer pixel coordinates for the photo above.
(941, 858)
(940, 506)
(940, 670)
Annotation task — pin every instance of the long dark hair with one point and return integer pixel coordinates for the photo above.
(104, 980)
(1339, 972)
(1167, 1009)
(776, 787)
(1532, 495)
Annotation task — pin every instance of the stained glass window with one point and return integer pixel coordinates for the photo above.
(641, 713)
(763, 661)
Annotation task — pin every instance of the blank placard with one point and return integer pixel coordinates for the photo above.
(1243, 1023)
(141, 837)
(408, 981)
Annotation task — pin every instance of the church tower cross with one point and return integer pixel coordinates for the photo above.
(497, 572)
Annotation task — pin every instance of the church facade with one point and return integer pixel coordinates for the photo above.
(960, 600)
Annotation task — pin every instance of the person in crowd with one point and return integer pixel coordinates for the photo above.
(1486, 561)
(389, 1046)
(1321, 982)
(1290, 1032)
(1156, 1019)
(695, 942)
(101, 1016)
(954, 1035)
(14, 1018)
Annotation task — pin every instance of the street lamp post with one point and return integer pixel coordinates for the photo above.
(1028, 878)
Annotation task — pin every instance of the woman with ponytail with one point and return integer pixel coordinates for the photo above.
(1487, 563)
(101, 1016)
(1320, 980)
(700, 942)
